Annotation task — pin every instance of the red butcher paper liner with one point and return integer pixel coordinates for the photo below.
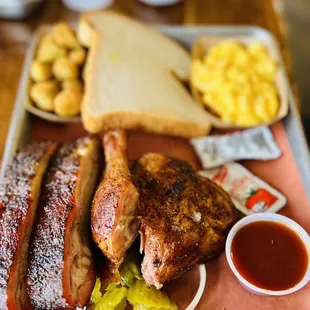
(222, 290)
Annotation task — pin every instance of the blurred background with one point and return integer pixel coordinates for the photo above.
(288, 20)
(297, 19)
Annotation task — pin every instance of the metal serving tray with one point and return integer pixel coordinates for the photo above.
(22, 123)
(21, 120)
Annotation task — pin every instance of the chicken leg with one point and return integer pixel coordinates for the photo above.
(114, 210)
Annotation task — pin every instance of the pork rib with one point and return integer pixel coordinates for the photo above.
(19, 195)
(184, 217)
(61, 273)
(114, 221)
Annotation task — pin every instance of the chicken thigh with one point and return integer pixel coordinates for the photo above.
(184, 217)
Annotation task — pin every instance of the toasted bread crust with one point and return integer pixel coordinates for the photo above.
(135, 120)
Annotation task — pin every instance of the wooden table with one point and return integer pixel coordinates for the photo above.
(14, 35)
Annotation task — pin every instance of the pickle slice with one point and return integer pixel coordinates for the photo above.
(96, 293)
(129, 272)
(141, 298)
(132, 289)
(114, 299)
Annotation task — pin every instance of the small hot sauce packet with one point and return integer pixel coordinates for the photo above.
(255, 143)
(249, 193)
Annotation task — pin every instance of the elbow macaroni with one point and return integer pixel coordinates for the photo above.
(237, 83)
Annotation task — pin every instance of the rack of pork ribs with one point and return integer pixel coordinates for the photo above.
(51, 212)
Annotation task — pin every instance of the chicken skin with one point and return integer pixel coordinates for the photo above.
(184, 217)
(114, 210)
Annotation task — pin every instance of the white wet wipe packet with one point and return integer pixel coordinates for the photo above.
(249, 193)
(255, 143)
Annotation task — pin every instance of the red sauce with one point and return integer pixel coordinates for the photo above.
(269, 255)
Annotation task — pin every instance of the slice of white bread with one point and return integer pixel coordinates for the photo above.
(132, 79)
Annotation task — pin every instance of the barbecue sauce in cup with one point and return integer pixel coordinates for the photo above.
(269, 255)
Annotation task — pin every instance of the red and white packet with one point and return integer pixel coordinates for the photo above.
(249, 193)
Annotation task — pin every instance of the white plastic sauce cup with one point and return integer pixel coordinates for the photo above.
(270, 217)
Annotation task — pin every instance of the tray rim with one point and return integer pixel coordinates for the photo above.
(292, 122)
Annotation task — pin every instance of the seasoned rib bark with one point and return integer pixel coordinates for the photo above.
(61, 273)
(114, 222)
(184, 217)
(19, 195)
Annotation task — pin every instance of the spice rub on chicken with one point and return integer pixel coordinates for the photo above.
(184, 217)
(114, 210)
(19, 195)
(61, 273)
